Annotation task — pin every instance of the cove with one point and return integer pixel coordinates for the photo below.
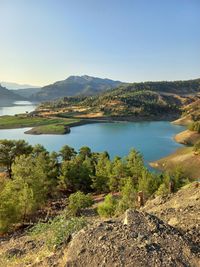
(153, 139)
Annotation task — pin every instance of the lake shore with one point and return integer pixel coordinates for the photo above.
(62, 124)
(183, 158)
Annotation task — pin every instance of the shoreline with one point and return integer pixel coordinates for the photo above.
(80, 121)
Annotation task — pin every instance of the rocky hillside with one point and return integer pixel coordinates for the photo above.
(179, 210)
(140, 239)
(163, 233)
(191, 112)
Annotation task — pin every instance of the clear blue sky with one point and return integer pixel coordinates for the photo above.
(130, 40)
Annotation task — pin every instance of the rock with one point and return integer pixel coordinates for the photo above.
(140, 239)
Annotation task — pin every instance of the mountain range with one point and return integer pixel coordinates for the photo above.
(72, 86)
(148, 99)
(92, 86)
(16, 86)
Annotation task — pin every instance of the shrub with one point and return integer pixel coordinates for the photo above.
(197, 147)
(195, 126)
(57, 230)
(108, 207)
(78, 201)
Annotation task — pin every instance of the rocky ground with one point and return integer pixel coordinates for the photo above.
(140, 239)
(165, 232)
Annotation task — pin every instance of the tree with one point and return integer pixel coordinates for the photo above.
(148, 183)
(135, 165)
(75, 175)
(128, 196)
(85, 152)
(9, 207)
(100, 181)
(38, 149)
(9, 150)
(67, 153)
(118, 173)
(30, 174)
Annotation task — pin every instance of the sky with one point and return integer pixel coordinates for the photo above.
(43, 41)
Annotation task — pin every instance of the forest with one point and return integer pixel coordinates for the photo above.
(31, 177)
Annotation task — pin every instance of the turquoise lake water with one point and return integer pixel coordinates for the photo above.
(153, 139)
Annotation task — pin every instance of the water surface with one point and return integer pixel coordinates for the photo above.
(153, 139)
(18, 107)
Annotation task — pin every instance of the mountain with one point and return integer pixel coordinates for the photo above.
(149, 100)
(75, 85)
(27, 92)
(16, 86)
(7, 97)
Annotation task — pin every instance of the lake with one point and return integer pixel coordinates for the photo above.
(17, 108)
(153, 139)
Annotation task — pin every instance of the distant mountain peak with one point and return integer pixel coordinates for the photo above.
(15, 86)
(76, 85)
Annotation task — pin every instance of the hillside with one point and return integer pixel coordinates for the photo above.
(27, 92)
(7, 97)
(191, 112)
(165, 232)
(179, 210)
(148, 100)
(75, 85)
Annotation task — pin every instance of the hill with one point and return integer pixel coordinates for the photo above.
(191, 112)
(180, 209)
(148, 100)
(165, 232)
(27, 92)
(7, 97)
(75, 85)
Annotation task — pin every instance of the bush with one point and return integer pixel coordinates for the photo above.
(195, 126)
(163, 190)
(197, 147)
(78, 201)
(57, 230)
(108, 207)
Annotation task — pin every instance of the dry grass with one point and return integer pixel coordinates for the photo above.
(187, 137)
(183, 158)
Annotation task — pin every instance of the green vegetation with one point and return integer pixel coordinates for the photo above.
(197, 148)
(20, 121)
(78, 201)
(57, 231)
(35, 176)
(195, 126)
(138, 100)
(50, 129)
(108, 207)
